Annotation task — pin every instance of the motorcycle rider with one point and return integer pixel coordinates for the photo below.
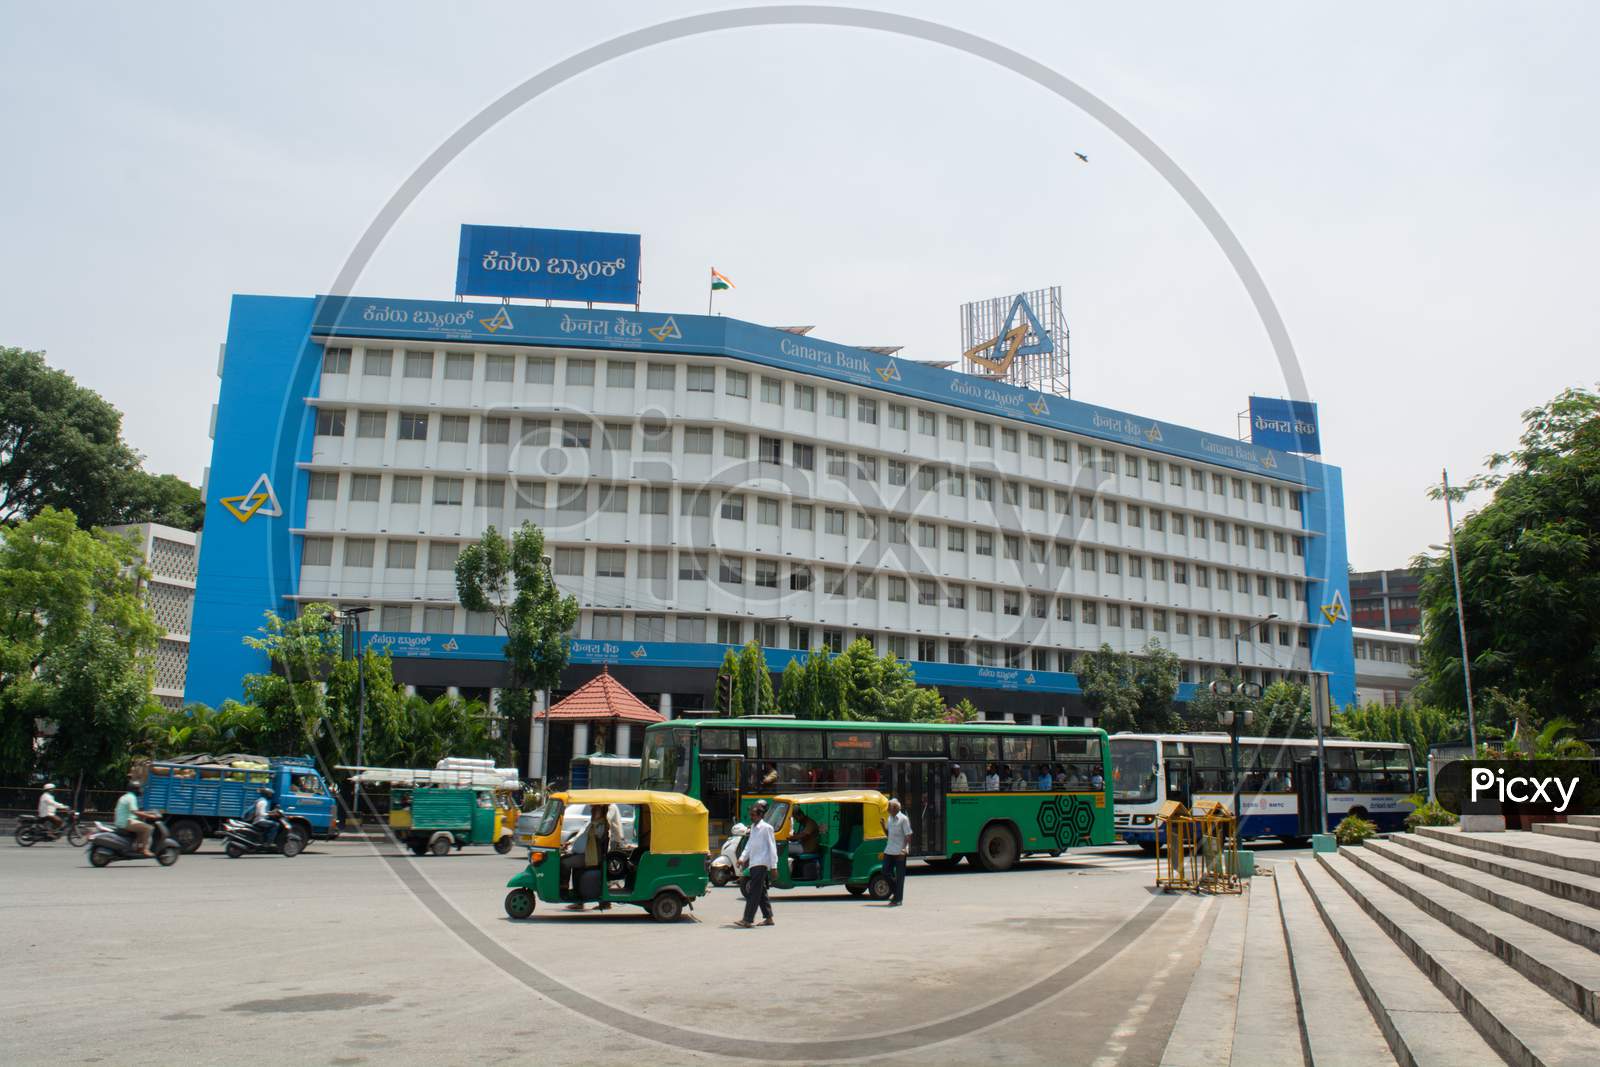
(49, 805)
(130, 820)
(261, 816)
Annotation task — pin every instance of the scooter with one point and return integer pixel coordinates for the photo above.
(32, 829)
(108, 846)
(243, 838)
(724, 868)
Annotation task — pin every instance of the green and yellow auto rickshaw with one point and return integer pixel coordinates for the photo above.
(662, 868)
(833, 838)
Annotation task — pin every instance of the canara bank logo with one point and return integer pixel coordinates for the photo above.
(449, 646)
(500, 321)
(1029, 680)
(889, 372)
(1334, 612)
(1153, 435)
(667, 331)
(639, 653)
(1269, 461)
(1012, 341)
(260, 500)
(1039, 407)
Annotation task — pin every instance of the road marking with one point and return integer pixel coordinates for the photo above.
(1128, 1027)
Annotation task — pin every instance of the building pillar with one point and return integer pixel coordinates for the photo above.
(494, 701)
(453, 691)
(624, 733)
(411, 690)
(1038, 720)
(1008, 717)
(536, 734)
(665, 705)
(580, 739)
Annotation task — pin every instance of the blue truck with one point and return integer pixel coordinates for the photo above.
(195, 798)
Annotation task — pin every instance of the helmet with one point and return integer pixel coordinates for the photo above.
(49, 786)
(268, 793)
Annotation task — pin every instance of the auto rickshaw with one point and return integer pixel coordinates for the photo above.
(833, 838)
(662, 870)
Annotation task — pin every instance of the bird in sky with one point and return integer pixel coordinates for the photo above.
(1081, 156)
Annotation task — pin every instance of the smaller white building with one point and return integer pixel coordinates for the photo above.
(170, 555)
(1386, 666)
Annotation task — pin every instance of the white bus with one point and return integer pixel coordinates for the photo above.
(1372, 779)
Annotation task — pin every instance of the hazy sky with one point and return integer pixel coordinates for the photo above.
(1416, 184)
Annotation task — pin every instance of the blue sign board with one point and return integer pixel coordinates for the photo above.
(1290, 425)
(601, 268)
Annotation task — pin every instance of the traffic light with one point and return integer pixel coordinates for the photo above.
(725, 692)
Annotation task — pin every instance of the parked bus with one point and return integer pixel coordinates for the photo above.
(1372, 779)
(992, 792)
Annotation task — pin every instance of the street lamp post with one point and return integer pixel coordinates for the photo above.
(544, 746)
(1461, 617)
(352, 622)
(1238, 718)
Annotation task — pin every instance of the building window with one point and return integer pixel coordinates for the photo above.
(316, 552)
(335, 361)
(983, 437)
(1113, 563)
(541, 370)
(616, 437)
(767, 511)
(365, 487)
(442, 555)
(419, 365)
(867, 410)
(691, 567)
(800, 516)
(499, 368)
(955, 596)
(833, 520)
(799, 578)
(496, 431)
(619, 374)
(377, 363)
(572, 500)
(866, 585)
(576, 433)
(400, 556)
(652, 500)
(323, 485)
(663, 376)
(697, 440)
(453, 429)
(866, 468)
(580, 371)
(396, 616)
(330, 422)
(491, 493)
(834, 582)
(458, 366)
(372, 423)
(927, 422)
(771, 390)
(805, 397)
(702, 379)
(407, 489)
(569, 562)
(736, 383)
(1011, 546)
(982, 487)
(838, 464)
(413, 426)
(986, 600)
(733, 507)
(897, 417)
(736, 445)
(605, 626)
(955, 429)
(985, 543)
(927, 593)
(1036, 497)
(898, 472)
(610, 563)
(447, 491)
(655, 437)
(803, 457)
(897, 590)
(955, 539)
(837, 404)
(730, 570)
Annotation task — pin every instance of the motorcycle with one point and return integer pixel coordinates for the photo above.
(32, 829)
(109, 846)
(724, 868)
(243, 838)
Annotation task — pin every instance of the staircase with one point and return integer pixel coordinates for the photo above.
(1429, 949)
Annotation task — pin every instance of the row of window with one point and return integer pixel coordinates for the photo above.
(702, 378)
(699, 629)
(1383, 652)
(575, 501)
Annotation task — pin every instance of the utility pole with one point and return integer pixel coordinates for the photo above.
(1236, 725)
(1461, 616)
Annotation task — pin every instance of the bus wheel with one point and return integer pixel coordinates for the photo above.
(1147, 847)
(997, 848)
(503, 845)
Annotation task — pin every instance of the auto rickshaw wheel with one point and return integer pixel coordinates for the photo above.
(520, 903)
(855, 890)
(879, 887)
(440, 845)
(666, 906)
(503, 845)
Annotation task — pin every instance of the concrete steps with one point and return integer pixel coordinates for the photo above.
(1583, 820)
(1575, 922)
(1523, 1022)
(1568, 972)
(1578, 888)
(1422, 1027)
(1576, 831)
(1203, 1034)
(1579, 857)
(1332, 1038)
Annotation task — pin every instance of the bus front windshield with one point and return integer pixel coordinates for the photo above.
(668, 755)
(1133, 771)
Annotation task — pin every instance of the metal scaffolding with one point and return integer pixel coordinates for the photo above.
(1021, 339)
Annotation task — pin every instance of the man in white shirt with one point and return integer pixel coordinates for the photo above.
(896, 845)
(760, 856)
(49, 805)
(958, 779)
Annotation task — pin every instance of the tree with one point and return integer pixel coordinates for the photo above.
(511, 580)
(1128, 692)
(1530, 573)
(76, 642)
(965, 711)
(752, 682)
(162, 498)
(1419, 725)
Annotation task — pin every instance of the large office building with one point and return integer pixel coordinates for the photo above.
(704, 481)
(1386, 600)
(169, 557)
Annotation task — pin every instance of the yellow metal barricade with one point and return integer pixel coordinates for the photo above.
(1200, 850)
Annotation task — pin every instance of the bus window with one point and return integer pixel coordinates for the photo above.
(1212, 767)
(1341, 769)
(975, 753)
(854, 746)
(904, 744)
(720, 741)
(791, 744)
(1133, 771)
(1078, 764)
(667, 759)
(1022, 750)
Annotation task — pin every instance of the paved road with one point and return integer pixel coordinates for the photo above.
(358, 954)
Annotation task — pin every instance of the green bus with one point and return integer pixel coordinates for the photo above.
(992, 792)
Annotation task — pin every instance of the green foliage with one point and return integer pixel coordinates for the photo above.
(1430, 814)
(61, 447)
(76, 641)
(966, 711)
(856, 684)
(812, 687)
(509, 580)
(1353, 830)
(1530, 574)
(1418, 725)
(1131, 692)
(752, 682)
(1556, 739)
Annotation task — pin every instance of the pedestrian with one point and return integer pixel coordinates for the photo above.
(896, 844)
(958, 779)
(760, 856)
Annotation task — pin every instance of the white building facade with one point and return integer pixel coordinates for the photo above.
(171, 556)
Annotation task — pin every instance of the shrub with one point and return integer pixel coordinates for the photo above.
(1352, 830)
(1430, 814)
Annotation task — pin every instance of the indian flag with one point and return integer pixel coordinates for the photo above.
(719, 281)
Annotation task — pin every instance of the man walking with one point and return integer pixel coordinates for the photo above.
(760, 856)
(897, 842)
